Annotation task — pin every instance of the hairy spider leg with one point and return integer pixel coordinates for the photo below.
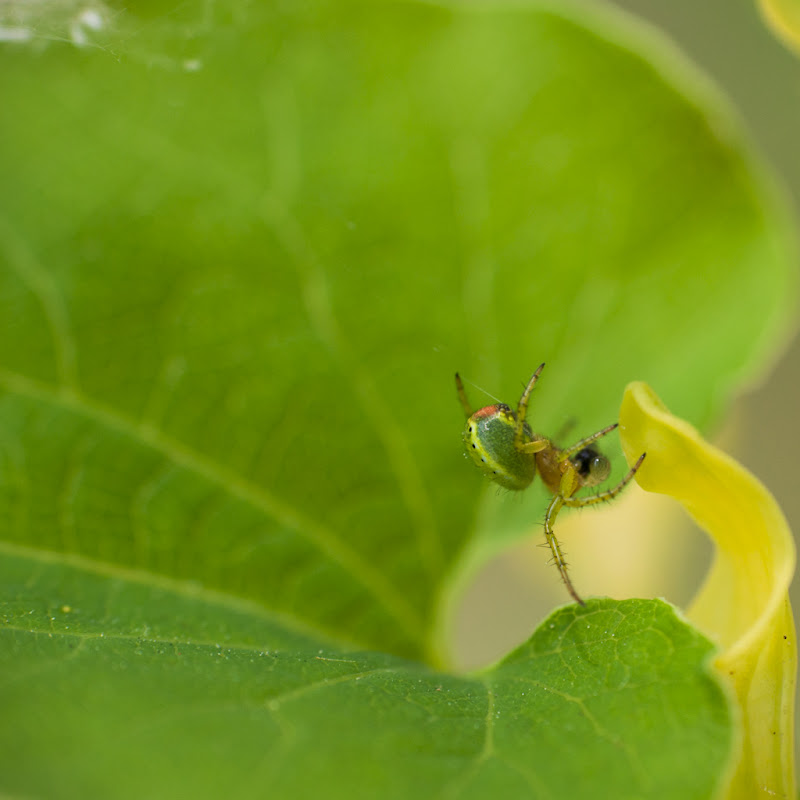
(578, 446)
(569, 485)
(462, 395)
(522, 412)
(555, 506)
(609, 494)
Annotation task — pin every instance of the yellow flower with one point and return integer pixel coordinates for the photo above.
(744, 602)
(784, 18)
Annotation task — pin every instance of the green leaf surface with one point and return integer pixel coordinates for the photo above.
(272, 713)
(243, 249)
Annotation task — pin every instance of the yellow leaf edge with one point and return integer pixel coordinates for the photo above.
(743, 604)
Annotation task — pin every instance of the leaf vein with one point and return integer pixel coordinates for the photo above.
(376, 410)
(43, 286)
(374, 581)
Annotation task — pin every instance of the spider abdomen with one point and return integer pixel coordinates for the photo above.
(489, 440)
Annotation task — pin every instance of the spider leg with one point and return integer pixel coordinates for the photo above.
(462, 396)
(522, 408)
(609, 494)
(535, 446)
(587, 441)
(555, 506)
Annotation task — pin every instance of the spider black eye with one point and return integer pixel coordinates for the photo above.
(591, 465)
(582, 461)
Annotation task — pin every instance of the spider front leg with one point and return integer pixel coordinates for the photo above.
(534, 446)
(609, 494)
(578, 446)
(522, 413)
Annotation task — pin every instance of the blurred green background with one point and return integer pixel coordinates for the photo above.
(731, 42)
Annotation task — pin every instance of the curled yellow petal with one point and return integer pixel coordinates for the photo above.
(744, 602)
(783, 16)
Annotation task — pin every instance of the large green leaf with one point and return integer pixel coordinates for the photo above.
(244, 248)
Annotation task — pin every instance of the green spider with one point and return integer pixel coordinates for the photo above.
(502, 444)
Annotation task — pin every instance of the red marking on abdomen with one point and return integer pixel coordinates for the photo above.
(487, 411)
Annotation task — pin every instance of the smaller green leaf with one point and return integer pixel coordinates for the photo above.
(115, 687)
